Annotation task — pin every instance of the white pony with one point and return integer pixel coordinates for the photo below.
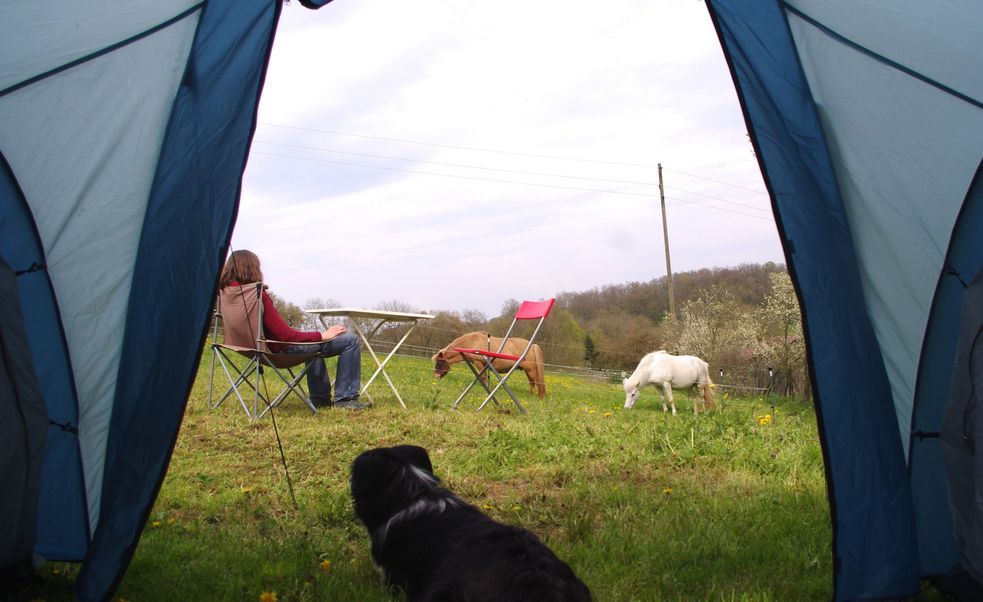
(671, 372)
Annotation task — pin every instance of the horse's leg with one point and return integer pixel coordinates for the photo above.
(530, 376)
(667, 387)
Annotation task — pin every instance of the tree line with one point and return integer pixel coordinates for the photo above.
(743, 320)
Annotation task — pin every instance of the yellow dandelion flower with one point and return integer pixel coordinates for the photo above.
(592, 411)
(245, 490)
(267, 597)
(156, 523)
(325, 565)
(667, 490)
(764, 419)
(487, 507)
(607, 414)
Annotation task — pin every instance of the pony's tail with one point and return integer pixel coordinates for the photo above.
(708, 394)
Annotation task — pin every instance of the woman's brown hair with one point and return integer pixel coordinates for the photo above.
(242, 266)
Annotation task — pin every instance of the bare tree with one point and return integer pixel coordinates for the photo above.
(311, 322)
(621, 339)
(435, 334)
(474, 319)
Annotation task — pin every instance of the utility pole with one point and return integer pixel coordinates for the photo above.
(665, 234)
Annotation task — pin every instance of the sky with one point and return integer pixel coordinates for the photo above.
(456, 154)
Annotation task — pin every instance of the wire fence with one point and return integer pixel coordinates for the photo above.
(738, 379)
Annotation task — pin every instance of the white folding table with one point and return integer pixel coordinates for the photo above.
(378, 318)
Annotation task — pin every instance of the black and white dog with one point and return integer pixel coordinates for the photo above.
(435, 546)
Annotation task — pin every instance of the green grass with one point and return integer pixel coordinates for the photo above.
(643, 505)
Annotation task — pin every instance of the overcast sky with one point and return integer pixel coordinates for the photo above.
(453, 154)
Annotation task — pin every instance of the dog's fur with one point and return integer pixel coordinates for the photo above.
(532, 365)
(435, 546)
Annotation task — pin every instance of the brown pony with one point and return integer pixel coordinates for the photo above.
(532, 365)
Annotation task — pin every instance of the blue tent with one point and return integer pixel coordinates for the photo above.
(124, 131)
(867, 121)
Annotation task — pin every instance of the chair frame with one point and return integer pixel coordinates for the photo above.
(259, 357)
(528, 310)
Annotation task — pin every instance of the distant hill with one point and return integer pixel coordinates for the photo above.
(747, 282)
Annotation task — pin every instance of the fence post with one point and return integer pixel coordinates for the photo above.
(771, 392)
(721, 382)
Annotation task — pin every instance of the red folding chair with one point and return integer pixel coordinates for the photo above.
(529, 310)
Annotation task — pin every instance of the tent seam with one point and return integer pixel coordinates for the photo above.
(111, 48)
(880, 57)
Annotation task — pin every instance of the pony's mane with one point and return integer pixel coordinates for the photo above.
(633, 380)
(643, 366)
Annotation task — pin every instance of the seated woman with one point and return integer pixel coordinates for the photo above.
(243, 268)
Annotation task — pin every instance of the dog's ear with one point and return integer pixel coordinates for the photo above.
(377, 486)
(413, 455)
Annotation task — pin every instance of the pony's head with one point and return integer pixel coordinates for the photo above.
(631, 392)
(441, 365)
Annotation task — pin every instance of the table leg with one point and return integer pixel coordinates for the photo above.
(382, 365)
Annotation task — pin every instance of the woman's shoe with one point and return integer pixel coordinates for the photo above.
(350, 403)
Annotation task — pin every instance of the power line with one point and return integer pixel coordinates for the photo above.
(693, 175)
(460, 177)
(516, 171)
(500, 151)
(458, 147)
(717, 198)
(527, 173)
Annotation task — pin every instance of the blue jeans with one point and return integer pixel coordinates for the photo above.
(349, 374)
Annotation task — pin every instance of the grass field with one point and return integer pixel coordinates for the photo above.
(643, 505)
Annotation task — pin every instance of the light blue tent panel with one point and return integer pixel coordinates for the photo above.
(122, 143)
(867, 121)
(124, 132)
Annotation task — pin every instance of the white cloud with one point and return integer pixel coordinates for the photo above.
(640, 83)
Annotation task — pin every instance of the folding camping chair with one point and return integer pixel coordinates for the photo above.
(240, 309)
(528, 310)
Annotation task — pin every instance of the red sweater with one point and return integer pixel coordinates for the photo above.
(278, 330)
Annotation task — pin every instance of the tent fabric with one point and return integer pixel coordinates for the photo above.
(962, 433)
(63, 533)
(867, 122)
(23, 425)
(124, 132)
(933, 518)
